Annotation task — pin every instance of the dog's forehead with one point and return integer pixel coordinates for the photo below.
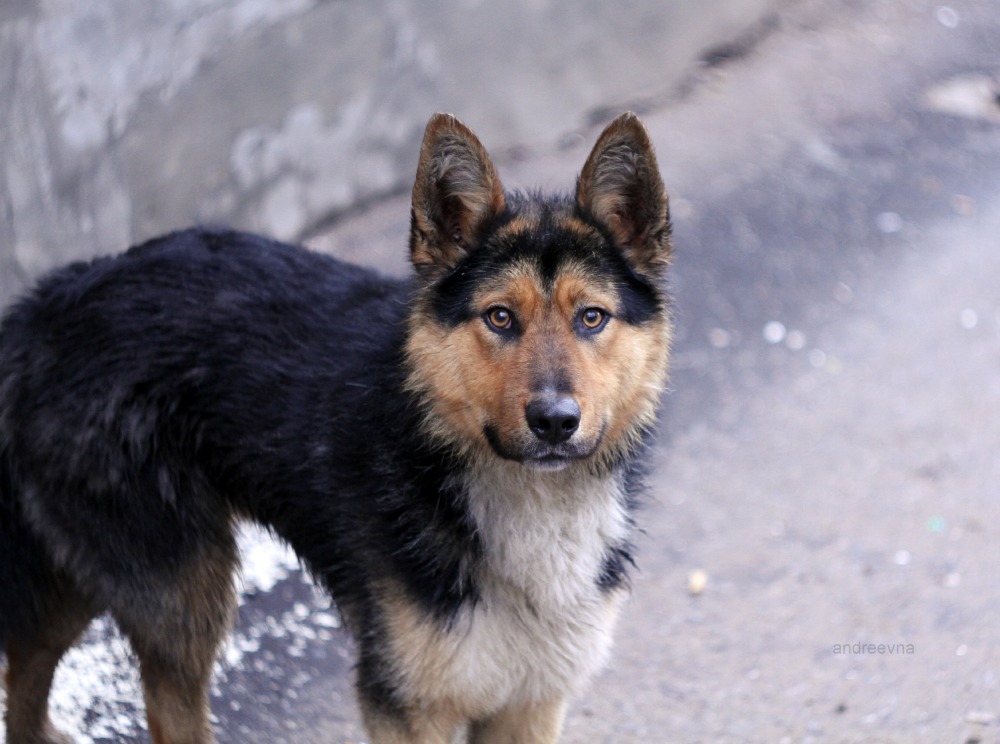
(550, 244)
(550, 255)
(573, 276)
(539, 254)
(531, 281)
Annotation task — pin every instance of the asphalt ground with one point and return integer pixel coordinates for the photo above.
(820, 547)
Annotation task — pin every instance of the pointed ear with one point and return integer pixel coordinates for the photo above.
(620, 187)
(455, 194)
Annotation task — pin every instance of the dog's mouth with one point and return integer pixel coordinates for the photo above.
(542, 456)
(549, 462)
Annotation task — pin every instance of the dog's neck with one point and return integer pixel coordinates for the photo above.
(547, 533)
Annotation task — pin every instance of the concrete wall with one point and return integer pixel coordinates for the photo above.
(120, 119)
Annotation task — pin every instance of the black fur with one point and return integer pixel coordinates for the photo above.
(255, 356)
(257, 365)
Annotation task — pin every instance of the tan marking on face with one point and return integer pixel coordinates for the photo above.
(474, 378)
(577, 226)
(628, 380)
(517, 225)
(619, 371)
(518, 289)
(576, 290)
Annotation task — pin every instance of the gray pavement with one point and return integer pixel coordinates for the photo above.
(831, 445)
(832, 459)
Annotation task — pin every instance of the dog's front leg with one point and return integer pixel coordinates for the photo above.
(418, 725)
(528, 723)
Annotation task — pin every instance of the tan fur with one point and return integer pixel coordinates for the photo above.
(475, 380)
(518, 225)
(630, 372)
(620, 186)
(428, 725)
(176, 654)
(576, 225)
(530, 722)
(175, 713)
(471, 377)
(542, 626)
(456, 189)
(495, 656)
(619, 374)
(192, 610)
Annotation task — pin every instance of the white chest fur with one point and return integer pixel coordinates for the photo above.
(546, 534)
(542, 625)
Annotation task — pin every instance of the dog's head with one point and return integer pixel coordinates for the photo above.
(541, 332)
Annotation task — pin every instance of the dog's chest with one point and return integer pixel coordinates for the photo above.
(546, 537)
(542, 625)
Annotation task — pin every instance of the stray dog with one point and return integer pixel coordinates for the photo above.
(455, 456)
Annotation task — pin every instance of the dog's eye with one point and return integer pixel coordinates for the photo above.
(500, 318)
(593, 318)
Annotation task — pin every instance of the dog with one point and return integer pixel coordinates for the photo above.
(456, 456)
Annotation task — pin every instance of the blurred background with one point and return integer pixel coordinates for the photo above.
(820, 546)
(125, 119)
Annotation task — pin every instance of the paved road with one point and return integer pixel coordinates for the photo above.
(839, 485)
(831, 449)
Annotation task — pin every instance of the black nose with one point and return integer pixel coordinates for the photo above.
(553, 420)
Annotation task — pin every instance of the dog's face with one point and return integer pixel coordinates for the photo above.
(541, 333)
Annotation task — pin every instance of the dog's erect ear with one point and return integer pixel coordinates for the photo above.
(456, 193)
(620, 187)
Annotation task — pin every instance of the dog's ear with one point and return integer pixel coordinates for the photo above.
(620, 187)
(455, 194)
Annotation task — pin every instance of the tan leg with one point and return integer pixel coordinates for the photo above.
(424, 726)
(31, 665)
(175, 636)
(177, 704)
(532, 723)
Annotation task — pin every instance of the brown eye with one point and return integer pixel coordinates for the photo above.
(500, 318)
(593, 318)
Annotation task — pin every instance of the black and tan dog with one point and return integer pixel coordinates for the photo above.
(454, 456)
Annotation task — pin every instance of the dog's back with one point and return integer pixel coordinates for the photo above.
(135, 389)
